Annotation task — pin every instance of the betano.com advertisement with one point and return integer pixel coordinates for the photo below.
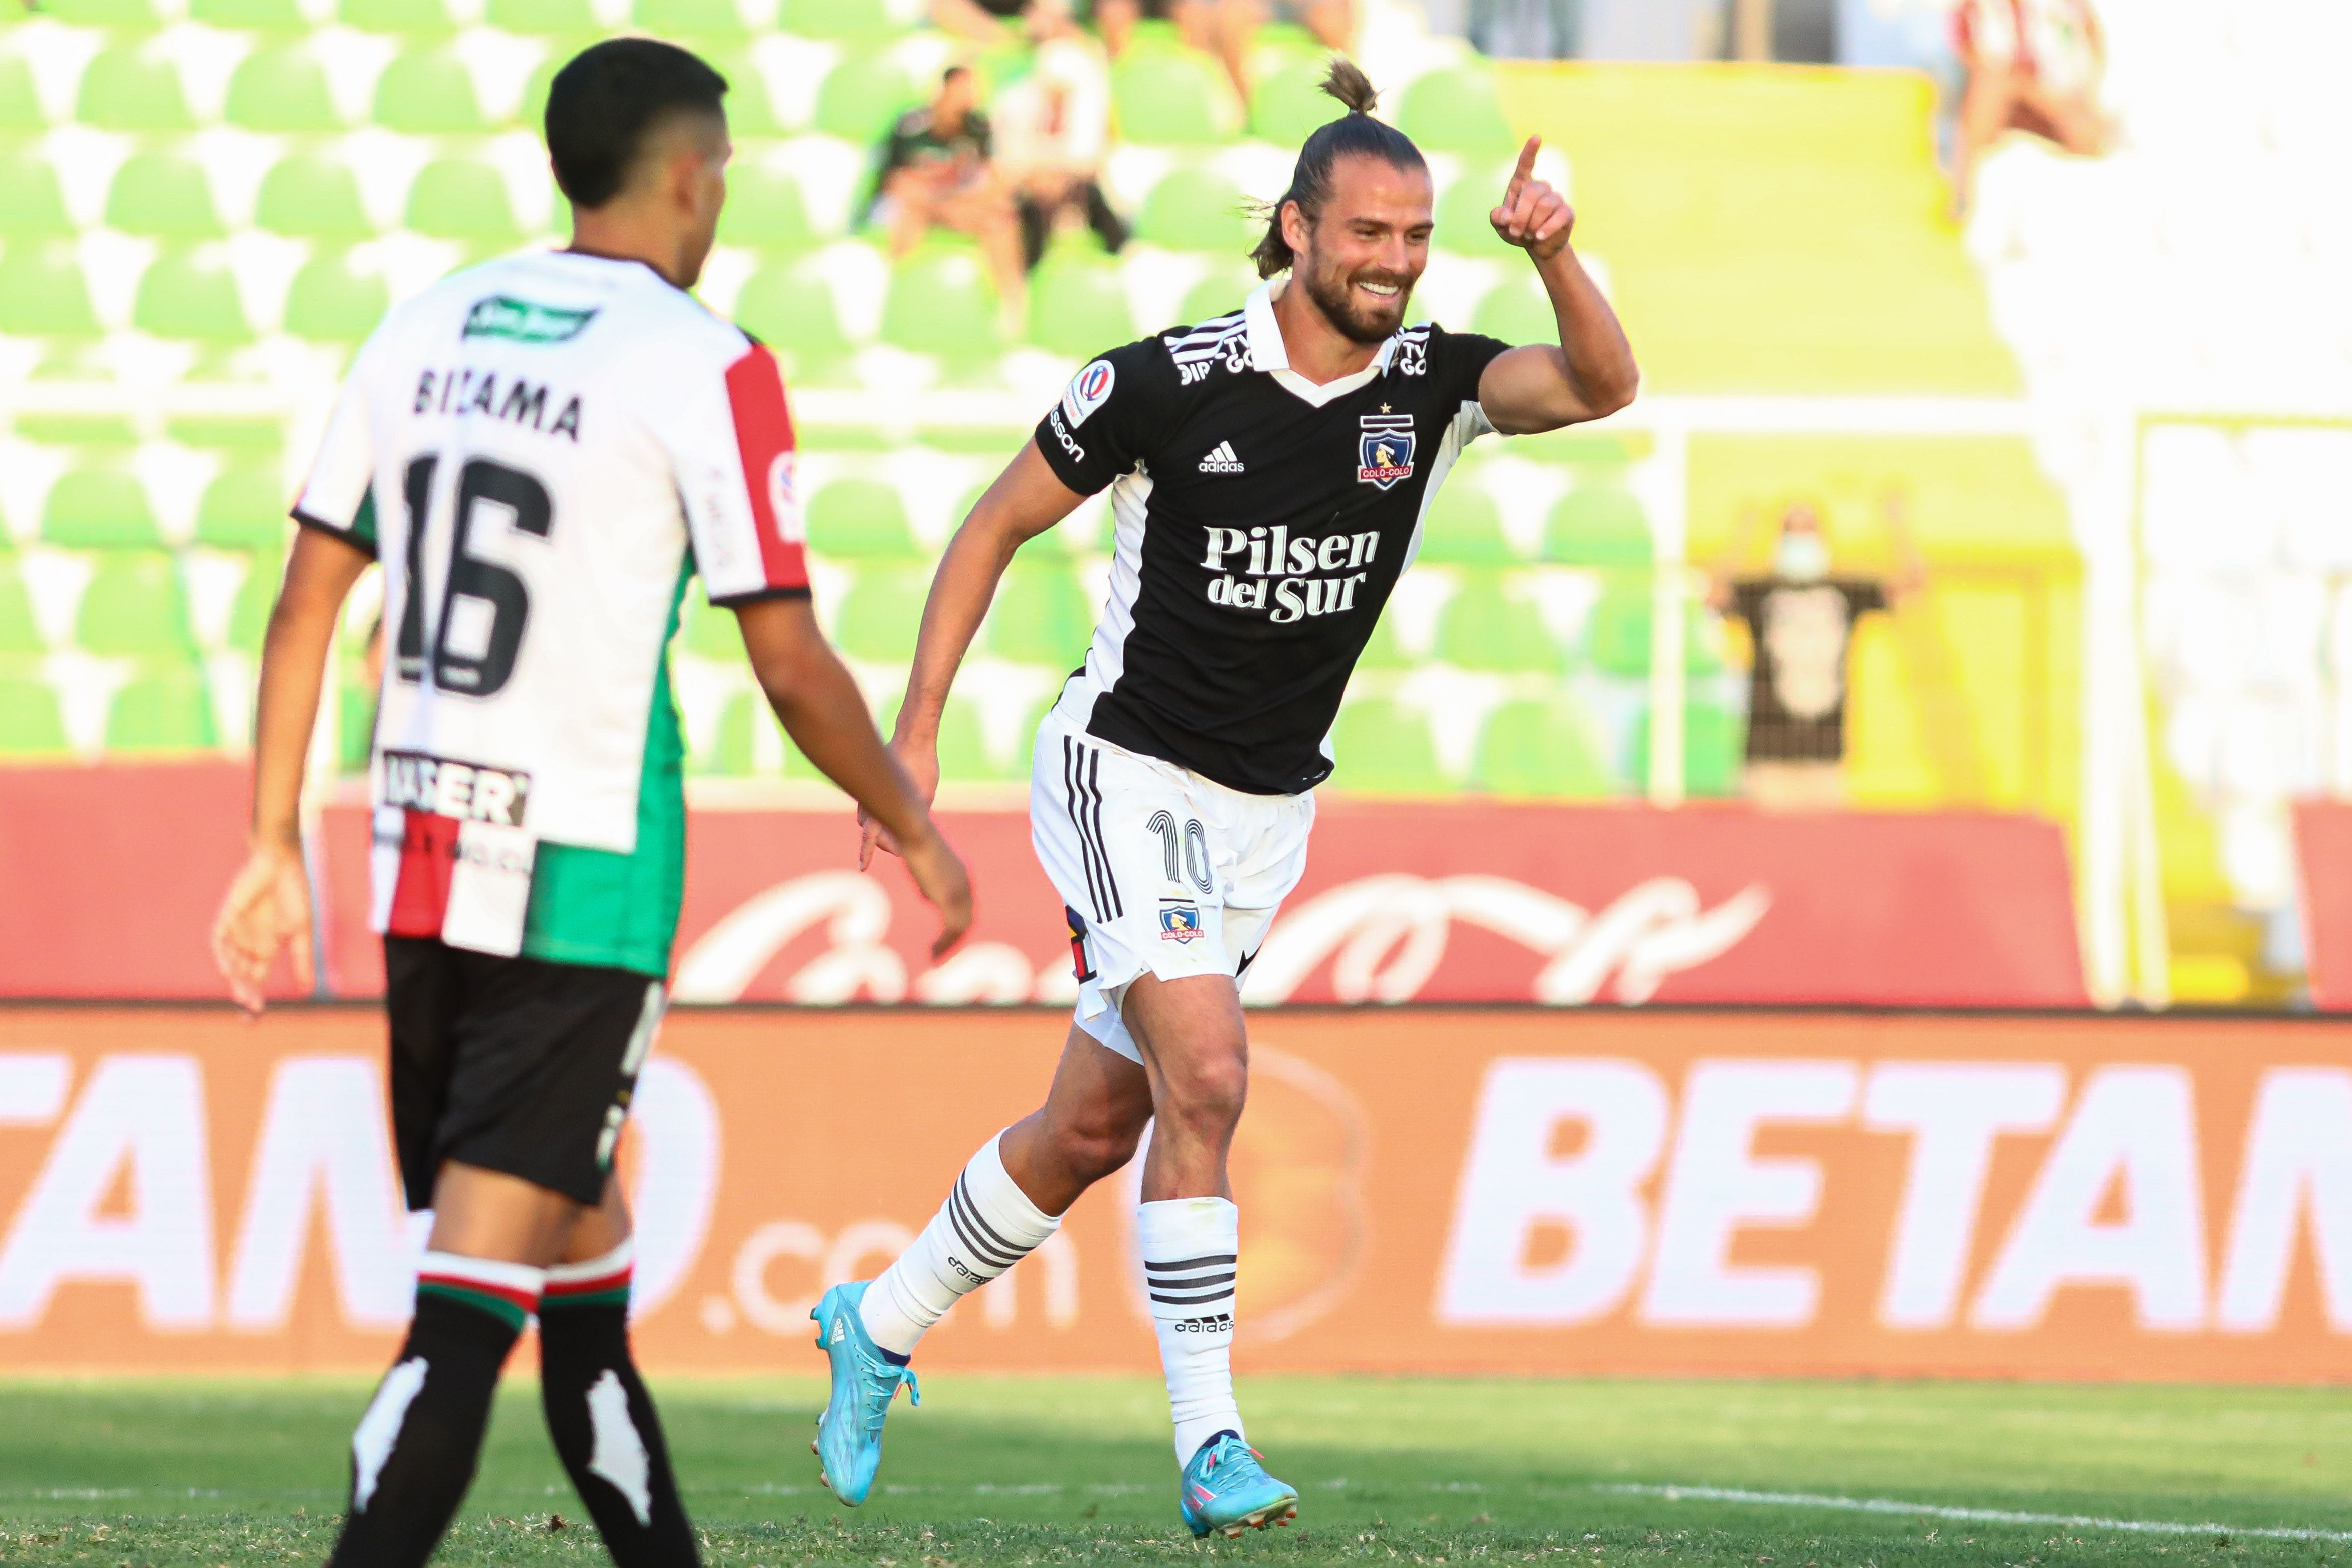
(1423, 1189)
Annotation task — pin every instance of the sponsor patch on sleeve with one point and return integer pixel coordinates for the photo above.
(1088, 390)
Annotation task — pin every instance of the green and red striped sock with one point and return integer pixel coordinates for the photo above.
(598, 1282)
(508, 1291)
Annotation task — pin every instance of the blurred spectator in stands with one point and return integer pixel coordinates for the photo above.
(2032, 65)
(1227, 28)
(1053, 124)
(1801, 620)
(1526, 29)
(935, 174)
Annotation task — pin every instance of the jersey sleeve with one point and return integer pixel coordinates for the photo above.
(338, 497)
(1109, 416)
(1458, 361)
(731, 441)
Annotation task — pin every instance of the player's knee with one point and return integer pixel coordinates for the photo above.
(1206, 1091)
(1096, 1143)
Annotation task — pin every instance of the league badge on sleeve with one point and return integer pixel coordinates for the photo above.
(1087, 391)
(1384, 451)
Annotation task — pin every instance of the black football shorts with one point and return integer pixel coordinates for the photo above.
(516, 1065)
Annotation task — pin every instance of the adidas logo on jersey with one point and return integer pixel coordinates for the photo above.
(1221, 460)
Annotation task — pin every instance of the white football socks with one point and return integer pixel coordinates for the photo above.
(986, 1225)
(1191, 1246)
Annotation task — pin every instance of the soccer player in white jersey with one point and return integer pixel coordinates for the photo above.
(542, 451)
(1268, 473)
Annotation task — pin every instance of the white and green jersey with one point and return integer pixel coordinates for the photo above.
(541, 450)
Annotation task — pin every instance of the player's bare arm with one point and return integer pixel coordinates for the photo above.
(823, 711)
(268, 909)
(1591, 374)
(1025, 500)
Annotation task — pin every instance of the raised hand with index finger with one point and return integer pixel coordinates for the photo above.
(1533, 215)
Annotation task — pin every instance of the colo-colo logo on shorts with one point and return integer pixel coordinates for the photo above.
(470, 793)
(1266, 568)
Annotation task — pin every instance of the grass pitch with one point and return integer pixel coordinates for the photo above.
(109, 1474)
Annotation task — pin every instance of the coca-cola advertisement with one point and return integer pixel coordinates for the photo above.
(112, 874)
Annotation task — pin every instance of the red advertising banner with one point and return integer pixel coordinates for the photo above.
(112, 876)
(2323, 842)
(1472, 1190)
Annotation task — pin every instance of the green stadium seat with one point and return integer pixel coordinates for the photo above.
(860, 519)
(531, 111)
(190, 296)
(32, 729)
(1463, 527)
(282, 90)
(1196, 209)
(1618, 634)
(161, 195)
(881, 613)
(1384, 650)
(941, 302)
(791, 308)
(417, 17)
(1078, 307)
(462, 199)
(764, 209)
(1041, 616)
(1456, 110)
(101, 506)
(963, 743)
(726, 751)
(20, 629)
(571, 20)
(249, 612)
(163, 708)
(709, 632)
(1598, 524)
(310, 197)
(1713, 739)
(1168, 97)
(32, 202)
(1464, 229)
(329, 302)
(1289, 105)
(1543, 748)
(847, 21)
(127, 86)
(20, 104)
(862, 96)
(750, 110)
(1517, 309)
(124, 14)
(697, 20)
(1485, 627)
(277, 15)
(355, 703)
(1221, 293)
(1385, 749)
(244, 508)
(134, 607)
(428, 92)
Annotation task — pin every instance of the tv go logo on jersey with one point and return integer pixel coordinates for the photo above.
(1088, 390)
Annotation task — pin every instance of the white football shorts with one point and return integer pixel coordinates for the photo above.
(1159, 869)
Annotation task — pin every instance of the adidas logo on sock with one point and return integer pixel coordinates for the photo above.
(1215, 1322)
(1221, 460)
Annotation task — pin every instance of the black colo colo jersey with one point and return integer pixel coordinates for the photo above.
(1261, 520)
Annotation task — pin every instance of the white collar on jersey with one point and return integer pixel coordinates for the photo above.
(1268, 353)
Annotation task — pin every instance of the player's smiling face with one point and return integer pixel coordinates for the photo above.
(1368, 248)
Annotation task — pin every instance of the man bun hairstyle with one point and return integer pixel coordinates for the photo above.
(1355, 134)
(608, 100)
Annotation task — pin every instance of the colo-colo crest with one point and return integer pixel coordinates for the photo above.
(1384, 450)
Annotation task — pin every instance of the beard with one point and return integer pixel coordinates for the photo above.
(1334, 294)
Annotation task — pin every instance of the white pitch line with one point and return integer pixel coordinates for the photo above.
(1974, 1515)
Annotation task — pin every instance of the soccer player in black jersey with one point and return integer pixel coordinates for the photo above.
(1269, 472)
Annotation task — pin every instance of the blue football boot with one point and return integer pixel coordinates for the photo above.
(848, 1444)
(1226, 1490)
